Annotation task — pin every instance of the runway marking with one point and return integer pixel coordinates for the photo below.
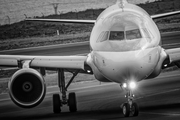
(165, 114)
(81, 54)
(2, 100)
(171, 44)
(158, 93)
(168, 76)
(24, 110)
(163, 33)
(3, 94)
(52, 86)
(41, 47)
(74, 89)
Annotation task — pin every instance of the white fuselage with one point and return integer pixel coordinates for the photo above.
(125, 44)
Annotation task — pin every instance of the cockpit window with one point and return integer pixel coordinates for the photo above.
(147, 34)
(133, 34)
(116, 35)
(103, 36)
(119, 35)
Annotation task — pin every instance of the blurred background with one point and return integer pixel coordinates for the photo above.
(16, 10)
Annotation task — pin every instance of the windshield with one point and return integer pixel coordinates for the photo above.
(121, 35)
(103, 36)
(116, 35)
(133, 34)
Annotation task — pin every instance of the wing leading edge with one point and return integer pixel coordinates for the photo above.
(94, 21)
(165, 15)
(68, 62)
(64, 21)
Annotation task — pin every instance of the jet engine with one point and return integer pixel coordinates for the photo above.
(27, 88)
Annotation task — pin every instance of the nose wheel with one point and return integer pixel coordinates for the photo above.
(130, 108)
(126, 109)
(135, 109)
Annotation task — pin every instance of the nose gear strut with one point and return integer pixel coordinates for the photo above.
(130, 107)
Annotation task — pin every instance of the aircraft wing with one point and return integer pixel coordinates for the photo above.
(165, 14)
(94, 21)
(65, 21)
(67, 62)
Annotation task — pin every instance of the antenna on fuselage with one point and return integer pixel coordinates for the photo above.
(121, 3)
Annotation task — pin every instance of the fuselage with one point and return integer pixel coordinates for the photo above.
(126, 45)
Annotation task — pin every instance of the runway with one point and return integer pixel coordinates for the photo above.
(158, 98)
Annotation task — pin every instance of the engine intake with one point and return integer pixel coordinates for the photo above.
(27, 88)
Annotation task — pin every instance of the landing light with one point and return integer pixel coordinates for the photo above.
(88, 71)
(124, 85)
(132, 85)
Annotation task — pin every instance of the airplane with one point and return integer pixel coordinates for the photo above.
(125, 48)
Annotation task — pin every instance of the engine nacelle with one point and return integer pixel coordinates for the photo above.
(27, 88)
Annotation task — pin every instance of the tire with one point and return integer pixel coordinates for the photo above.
(135, 109)
(126, 109)
(56, 103)
(72, 102)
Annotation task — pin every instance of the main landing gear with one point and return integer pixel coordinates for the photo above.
(130, 108)
(58, 102)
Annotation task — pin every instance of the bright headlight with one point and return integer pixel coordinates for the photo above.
(132, 85)
(124, 85)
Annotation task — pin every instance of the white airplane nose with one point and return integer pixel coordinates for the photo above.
(122, 66)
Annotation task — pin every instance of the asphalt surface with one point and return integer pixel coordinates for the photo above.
(158, 98)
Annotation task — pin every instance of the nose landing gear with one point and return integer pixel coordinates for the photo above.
(130, 108)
